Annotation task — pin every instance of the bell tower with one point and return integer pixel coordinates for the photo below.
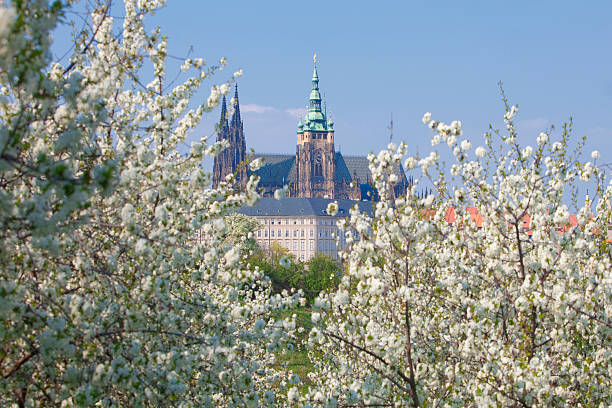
(315, 153)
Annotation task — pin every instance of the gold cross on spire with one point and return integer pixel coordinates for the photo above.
(314, 58)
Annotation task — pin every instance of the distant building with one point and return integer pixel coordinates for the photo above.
(302, 225)
(317, 170)
(232, 159)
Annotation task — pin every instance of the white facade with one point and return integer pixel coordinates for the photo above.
(303, 236)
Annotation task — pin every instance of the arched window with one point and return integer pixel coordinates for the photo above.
(318, 170)
(318, 167)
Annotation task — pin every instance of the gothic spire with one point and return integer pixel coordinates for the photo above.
(236, 121)
(223, 120)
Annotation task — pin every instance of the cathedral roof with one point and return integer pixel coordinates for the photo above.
(279, 169)
(342, 171)
(358, 166)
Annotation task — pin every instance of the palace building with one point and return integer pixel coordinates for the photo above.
(302, 225)
(316, 170)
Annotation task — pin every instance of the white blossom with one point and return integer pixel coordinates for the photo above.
(466, 145)
(332, 208)
(481, 152)
(281, 193)
(410, 163)
(117, 284)
(7, 16)
(477, 283)
(542, 139)
(511, 113)
(256, 164)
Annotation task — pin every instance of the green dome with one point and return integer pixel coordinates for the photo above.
(315, 116)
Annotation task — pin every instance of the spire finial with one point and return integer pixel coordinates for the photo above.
(314, 58)
(236, 115)
(223, 120)
(223, 109)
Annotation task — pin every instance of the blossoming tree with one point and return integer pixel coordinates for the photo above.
(115, 286)
(512, 310)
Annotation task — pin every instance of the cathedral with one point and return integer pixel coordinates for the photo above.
(316, 170)
(232, 159)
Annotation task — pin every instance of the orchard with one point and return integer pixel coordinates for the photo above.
(122, 285)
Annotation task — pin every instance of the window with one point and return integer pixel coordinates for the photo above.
(311, 221)
(302, 245)
(286, 233)
(266, 233)
(280, 233)
(272, 222)
(272, 233)
(311, 233)
(295, 221)
(259, 233)
(311, 245)
(294, 233)
(286, 221)
(302, 221)
(302, 233)
(295, 245)
(266, 221)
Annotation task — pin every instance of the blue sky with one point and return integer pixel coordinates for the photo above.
(404, 58)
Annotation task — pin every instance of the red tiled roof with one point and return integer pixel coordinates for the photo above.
(475, 215)
(450, 215)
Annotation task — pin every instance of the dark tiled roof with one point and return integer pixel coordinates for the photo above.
(368, 192)
(277, 169)
(358, 165)
(342, 172)
(290, 207)
(280, 169)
